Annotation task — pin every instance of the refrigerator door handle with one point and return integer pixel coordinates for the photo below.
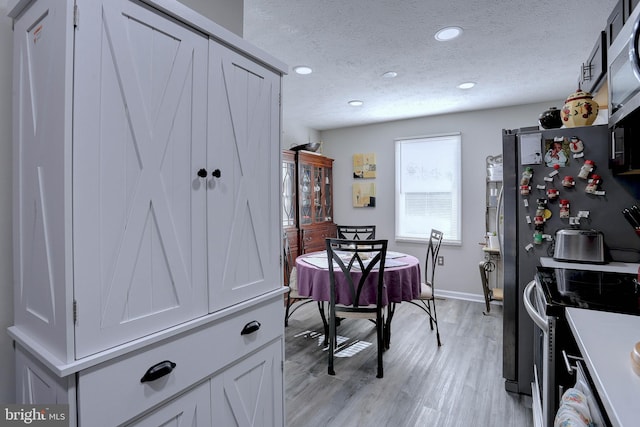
(533, 313)
(498, 206)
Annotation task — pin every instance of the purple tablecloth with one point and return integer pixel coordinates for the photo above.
(402, 283)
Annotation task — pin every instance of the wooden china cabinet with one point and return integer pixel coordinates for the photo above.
(289, 200)
(315, 201)
(307, 206)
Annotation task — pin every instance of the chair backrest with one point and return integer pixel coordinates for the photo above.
(287, 259)
(356, 232)
(356, 262)
(435, 240)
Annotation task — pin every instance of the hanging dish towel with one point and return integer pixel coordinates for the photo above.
(573, 411)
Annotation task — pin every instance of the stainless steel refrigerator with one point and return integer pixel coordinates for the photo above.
(521, 246)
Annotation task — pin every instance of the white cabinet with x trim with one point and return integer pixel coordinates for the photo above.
(146, 203)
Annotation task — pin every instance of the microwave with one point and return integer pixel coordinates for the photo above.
(624, 71)
(624, 154)
(624, 97)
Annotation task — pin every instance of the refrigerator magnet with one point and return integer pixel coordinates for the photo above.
(577, 147)
(530, 149)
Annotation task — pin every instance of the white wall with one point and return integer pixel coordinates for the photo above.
(228, 13)
(481, 137)
(294, 134)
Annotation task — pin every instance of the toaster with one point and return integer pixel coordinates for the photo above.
(579, 246)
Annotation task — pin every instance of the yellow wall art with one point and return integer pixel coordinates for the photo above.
(364, 195)
(364, 165)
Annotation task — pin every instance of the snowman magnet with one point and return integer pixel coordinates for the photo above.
(576, 146)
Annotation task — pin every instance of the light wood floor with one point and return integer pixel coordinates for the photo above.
(458, 384)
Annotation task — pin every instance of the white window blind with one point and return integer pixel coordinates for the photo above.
(428, 187)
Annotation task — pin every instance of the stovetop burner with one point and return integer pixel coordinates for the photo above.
(593, 290)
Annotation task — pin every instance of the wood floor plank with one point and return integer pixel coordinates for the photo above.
(458, 384)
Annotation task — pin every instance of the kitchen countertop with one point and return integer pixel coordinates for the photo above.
(616, 267)
(606, 341)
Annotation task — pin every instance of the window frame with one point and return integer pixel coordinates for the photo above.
(456, 138)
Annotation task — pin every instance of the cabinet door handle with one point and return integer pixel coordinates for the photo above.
(202, 173)
(216, 173)
(157, 371)
(250, 328)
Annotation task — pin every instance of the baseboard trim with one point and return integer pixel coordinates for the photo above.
(463, 296)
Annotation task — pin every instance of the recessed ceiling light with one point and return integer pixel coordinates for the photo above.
(302, 69)
(448, 33)
(390, 74)
(466, 85)
(356, 103)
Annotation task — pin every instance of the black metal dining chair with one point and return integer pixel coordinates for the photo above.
(427, 301)
(356, 232)
(357, 264)
(290, 279)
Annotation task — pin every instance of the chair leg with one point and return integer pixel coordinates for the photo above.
(289, 312)
(430, 316)
(391, 309)
(380, 333)
(324, 323)
(427, 309)
(286, 313)
(435, 320)
(331, 339)
(433, 316)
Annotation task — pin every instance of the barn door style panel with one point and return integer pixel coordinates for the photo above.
(36, 384)
(242, 199)
(139, 205)
(42, 49)
(249, 394)
(146, 144)
(192, 409)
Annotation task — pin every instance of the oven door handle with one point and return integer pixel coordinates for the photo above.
(634, 55)
(533, 313)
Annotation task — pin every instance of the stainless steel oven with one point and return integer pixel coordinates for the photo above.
(545, 300)
(544, 364)
(554, 373)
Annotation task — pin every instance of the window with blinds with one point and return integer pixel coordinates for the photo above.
(428, 187)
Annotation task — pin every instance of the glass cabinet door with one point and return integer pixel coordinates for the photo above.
(328, 210)
(288, 193)
(306, 212)
(318, 187)
(315, 186)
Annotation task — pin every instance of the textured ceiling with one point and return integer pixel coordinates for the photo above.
(517, 51)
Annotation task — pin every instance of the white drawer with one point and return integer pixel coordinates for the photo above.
(112, 392)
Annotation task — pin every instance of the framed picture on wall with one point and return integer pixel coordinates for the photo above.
(364, 195)
(364, 165)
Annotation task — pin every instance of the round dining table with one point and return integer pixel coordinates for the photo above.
(402, 279)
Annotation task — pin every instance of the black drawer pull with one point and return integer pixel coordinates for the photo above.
(158, 371)
(250, 327)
